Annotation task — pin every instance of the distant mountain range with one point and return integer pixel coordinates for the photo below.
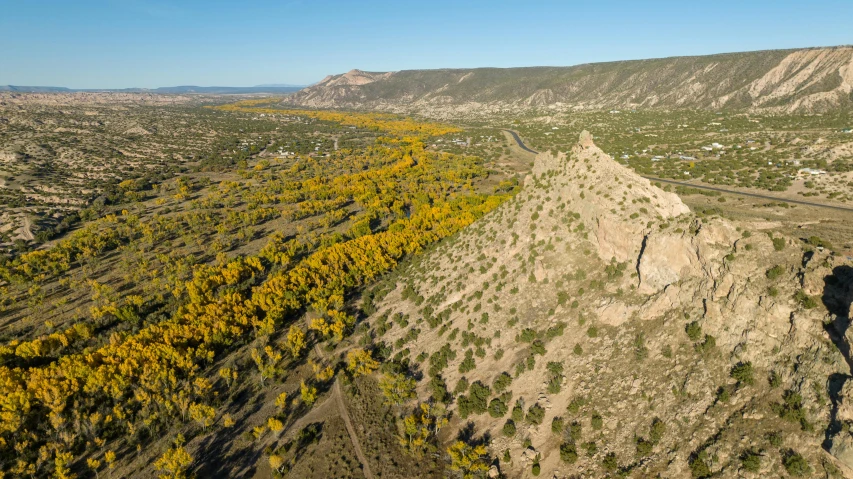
(213, 90)
(805, 80)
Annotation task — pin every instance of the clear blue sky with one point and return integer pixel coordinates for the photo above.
(150, 43)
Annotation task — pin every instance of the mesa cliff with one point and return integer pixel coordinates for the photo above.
(802, 80)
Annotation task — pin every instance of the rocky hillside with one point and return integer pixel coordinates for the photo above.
(595, 326)
(805, 80)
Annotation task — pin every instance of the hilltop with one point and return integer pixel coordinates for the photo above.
(802, 80)
(594, 324)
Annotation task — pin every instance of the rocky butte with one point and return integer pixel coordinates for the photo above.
(665, 340)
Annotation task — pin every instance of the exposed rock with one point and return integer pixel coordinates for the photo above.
(528, 456)
(666, 259)
(845, 402)
(842, 448)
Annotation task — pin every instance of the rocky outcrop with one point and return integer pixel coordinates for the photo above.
(645, 308)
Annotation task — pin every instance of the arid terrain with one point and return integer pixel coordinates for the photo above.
(563, 273)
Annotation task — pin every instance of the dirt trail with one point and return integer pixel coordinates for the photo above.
(336, 392)
(337, 396)
(26, 229)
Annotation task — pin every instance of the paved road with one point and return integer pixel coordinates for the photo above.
(753, 195)
(713, 188)
(521, 143)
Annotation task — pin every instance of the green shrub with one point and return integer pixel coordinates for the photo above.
(610, 463)
(699, 466)
(708, 344)
(693, 330)
(497, 408)
(743, 373)
(555, 368)
(527, 335)
(656, 430)
(468, 364)
(575, 405)
(791, 409)
(439, 389)
(557, 425)
(819, 242)
(509, 428)
(796, 464)
(597, 421)
(805, 300)
(778, 244)
(569, 452)
(535, 414)
(774, 272)
(481, 393)
(774, 380)
(751, 461)
(723, 394)
(556, 330)
(555, 384)
(575, 431)
(461, 386)
(644, 447)
(502, 382)
(775, 439)
(517, 412)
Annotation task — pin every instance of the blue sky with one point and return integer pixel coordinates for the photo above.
(150, 43)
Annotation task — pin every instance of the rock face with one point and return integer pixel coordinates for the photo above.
(804, 80)
(608, 304)
(842, 448)
(620, 204)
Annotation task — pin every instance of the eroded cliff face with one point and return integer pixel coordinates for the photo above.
(806, 80)
(647, 307)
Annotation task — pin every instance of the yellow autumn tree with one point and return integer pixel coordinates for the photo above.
(267, 362)
(419, 427)
(397, 388)
(175, 461)
(360, 362)
(202, 414)
(295, 340)
(468, 460)
(308, 393)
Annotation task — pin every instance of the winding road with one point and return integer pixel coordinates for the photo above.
(711, 188)
(521, 143)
